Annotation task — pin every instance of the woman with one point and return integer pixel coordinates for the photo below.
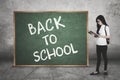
(103, 33)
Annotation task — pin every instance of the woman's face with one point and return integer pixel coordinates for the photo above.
(99, 22)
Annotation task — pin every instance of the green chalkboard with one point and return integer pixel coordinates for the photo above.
(50, 38)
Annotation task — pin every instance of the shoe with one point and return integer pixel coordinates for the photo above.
(105, 73)
(94, 73)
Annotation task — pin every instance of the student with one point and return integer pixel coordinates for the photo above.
(103, 33)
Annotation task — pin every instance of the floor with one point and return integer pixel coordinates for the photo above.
(8, 72)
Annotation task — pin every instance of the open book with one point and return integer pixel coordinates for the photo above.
(93, 33)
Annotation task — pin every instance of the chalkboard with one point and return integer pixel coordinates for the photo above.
(51, 38)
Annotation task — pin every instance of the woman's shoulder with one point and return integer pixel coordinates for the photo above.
(107, 26)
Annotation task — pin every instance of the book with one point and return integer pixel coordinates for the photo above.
(93, 33)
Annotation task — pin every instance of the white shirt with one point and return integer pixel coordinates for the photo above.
(102, 41)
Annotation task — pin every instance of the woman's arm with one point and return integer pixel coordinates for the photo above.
(104, 36)
(108, 33)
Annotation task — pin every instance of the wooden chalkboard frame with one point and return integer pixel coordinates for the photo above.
(14, 54)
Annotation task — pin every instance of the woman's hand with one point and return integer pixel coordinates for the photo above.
(96, 36)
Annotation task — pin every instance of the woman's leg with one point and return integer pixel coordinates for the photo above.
(104, 54)
(98, 50)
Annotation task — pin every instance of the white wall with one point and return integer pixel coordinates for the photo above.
(109, 8)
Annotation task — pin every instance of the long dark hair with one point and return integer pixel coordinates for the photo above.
(102, 19)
